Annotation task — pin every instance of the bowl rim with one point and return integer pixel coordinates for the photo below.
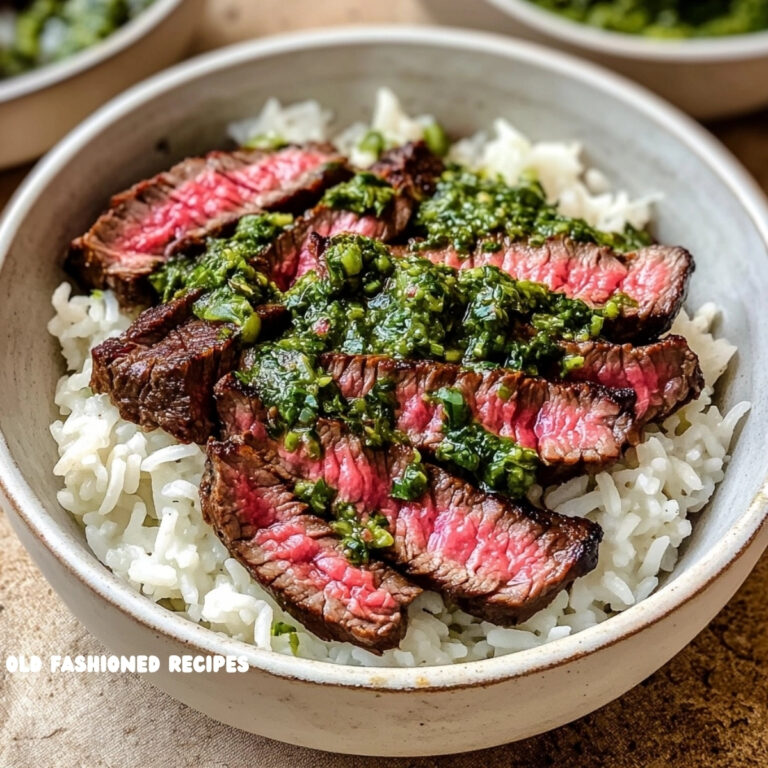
(122, 38)
(745, 46)
(68, 549)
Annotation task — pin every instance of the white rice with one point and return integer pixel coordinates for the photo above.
(135, 492)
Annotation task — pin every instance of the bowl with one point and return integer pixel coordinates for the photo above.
(466, 80)
(38, 107)
(707, 77)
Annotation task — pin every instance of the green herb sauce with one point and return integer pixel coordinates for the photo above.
(360, 533)
(296, 391)
(232, 287)
(50, 30)
(499, 463)
(363, 193)
(412, 482)
(667, 18)
(318, 496)
(468, 208)
(371, 303)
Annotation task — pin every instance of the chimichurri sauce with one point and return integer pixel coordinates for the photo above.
(499, 463)
(372, 303)
(359, 533)
(232, 287)
(667, 18)
(363, 193)
(45, 31)
(469, 208)
(369, 302)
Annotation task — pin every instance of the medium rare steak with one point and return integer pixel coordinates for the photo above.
(654, 279)
(501, 561)
(246, 497)
(162, 370)
(567, 424)
(198, 197)
(411, 169)
(664, 376)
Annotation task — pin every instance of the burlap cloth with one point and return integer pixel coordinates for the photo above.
(707, 707)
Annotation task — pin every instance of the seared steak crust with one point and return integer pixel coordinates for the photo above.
(200, 196)
(570, 426)
(246, 497)
(162, 370)
(664, 376)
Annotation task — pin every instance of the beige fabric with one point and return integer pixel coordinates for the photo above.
(708, 707)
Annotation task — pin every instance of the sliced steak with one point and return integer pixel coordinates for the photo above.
(247, 499)
(664, 376)
(198, 197)
(411, 169)
(655, 279)
(162, 370)
(499, 560)
(569, 425)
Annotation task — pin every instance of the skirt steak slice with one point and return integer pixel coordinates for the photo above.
(162, 370)
(246, 497)
(571, 426)
(200, 196)
(655, 278)
(664, 376)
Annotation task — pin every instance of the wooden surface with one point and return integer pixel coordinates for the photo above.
(707, 707)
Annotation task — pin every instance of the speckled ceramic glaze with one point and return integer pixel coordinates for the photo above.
(466, 80)
(39, 107)
(707, 77)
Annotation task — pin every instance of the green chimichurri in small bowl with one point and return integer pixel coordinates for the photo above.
(709, 57)
(62, 59)
(666, 18)
(40, 32)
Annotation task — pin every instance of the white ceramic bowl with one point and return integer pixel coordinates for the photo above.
(38, 107)
(466, 80)
(707, 77)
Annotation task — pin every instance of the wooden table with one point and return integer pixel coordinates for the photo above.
(707, 707)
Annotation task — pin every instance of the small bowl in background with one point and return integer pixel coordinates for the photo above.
(38, 107)
(707, 77)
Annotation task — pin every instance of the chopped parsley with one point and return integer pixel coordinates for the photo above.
(359, 532)
(318, 495)
(412, 483)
